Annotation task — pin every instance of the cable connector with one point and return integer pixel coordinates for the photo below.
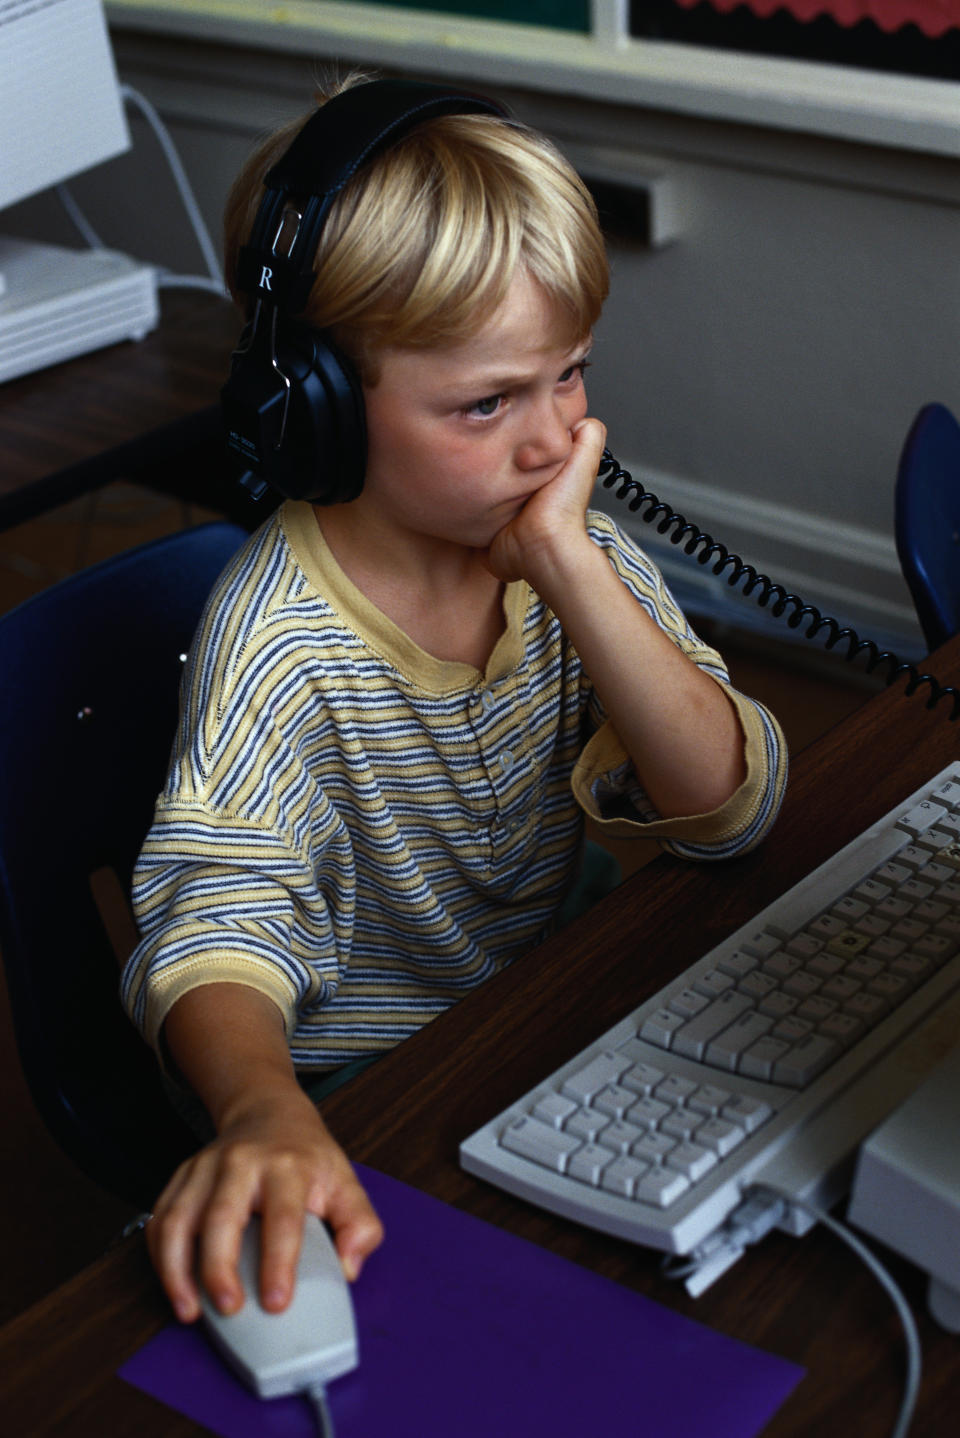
(757, 1215)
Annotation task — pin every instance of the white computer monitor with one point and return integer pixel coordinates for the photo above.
(61, 112)
(60, 106)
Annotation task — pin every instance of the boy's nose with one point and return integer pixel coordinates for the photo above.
(548, 440)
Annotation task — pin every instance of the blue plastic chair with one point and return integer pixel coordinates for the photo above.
(88, 701)
(927, 521)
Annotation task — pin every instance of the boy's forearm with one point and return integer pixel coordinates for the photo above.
(675, 721)
(228, 1042)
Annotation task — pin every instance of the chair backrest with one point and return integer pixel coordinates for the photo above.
(927, 521)
(88, 704)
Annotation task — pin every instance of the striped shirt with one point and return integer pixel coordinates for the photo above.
(364, 832)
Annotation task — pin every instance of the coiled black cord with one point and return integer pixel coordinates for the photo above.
(709, 551)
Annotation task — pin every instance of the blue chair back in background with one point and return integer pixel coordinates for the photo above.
(88, 704)
(927, 521)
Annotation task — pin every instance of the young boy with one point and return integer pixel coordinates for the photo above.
(398, 709)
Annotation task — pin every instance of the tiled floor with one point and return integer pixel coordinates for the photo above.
(52, 1220)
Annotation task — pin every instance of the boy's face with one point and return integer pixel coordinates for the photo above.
(461, 436)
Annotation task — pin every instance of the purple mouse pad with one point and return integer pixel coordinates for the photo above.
(465, 1329)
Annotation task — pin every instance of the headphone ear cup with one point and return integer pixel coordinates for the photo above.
(322, 455)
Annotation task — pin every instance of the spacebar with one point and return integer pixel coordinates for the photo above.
(816, 892)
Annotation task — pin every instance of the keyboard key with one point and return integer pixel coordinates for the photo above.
(802, 985)
(760, 1058)
(653, 1147)
(687, 1003)
(614, 1100)
(660, 1027)
(850, 909)
(848, 944)
(805, 1060)
(740, 963)
(621, 1176)
(620, 1136)
(675, 1090)
(887, 949)
(792, 1028)
(781, 965)
(720, 1135)
(844, 1027)
(661, 1187)
(760, 944)
(709, 1099)
(586, 1124)
(749, 1113)
(547, 1146)
(913, 856)
(588, 1163)
(922, 816)
(642, 1078)
(713, 983)
(605, 1068)
(913, 967)
(826, 927)
(892, 987)
(864, 968)
(647, 1113)
(816, 1008)
(936, 947)
(692, 1160)
(692, 1040)
(872, 891)
(729, 1047)
(824, 965)
(868, 1007)
(553, 1109)
(803, 945)
(840, 987)
(778, 1005)
(682, 1123)
(758, 985)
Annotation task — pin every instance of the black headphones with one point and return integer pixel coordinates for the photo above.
(293, 405)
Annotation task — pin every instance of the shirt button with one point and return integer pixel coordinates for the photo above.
(506, 761)
(487, 701)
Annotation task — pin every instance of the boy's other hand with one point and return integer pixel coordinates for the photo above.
(277, 1158)
(553, 518)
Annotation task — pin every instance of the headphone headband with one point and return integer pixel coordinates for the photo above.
(342, 136)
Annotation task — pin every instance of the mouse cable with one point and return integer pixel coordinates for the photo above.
(316, 1396)
(911, 1386)
(706, 550)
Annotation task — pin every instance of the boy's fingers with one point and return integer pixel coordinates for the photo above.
(280, 1242)
(194, 1236)
(357, 1229)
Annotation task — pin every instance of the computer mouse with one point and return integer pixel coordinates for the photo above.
(311, 1342)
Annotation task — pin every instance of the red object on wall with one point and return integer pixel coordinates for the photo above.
(933, 17)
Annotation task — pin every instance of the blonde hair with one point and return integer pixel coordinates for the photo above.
(422, 244)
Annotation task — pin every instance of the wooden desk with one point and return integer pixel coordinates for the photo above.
(807, 1300)
(144, 411)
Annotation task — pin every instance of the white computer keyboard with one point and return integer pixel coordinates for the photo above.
(764, 1063)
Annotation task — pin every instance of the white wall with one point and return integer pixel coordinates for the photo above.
(760, 371)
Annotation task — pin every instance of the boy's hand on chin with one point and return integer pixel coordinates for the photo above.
(553, 517)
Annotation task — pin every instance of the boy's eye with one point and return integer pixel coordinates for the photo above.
(488, 406)
(575, 370)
